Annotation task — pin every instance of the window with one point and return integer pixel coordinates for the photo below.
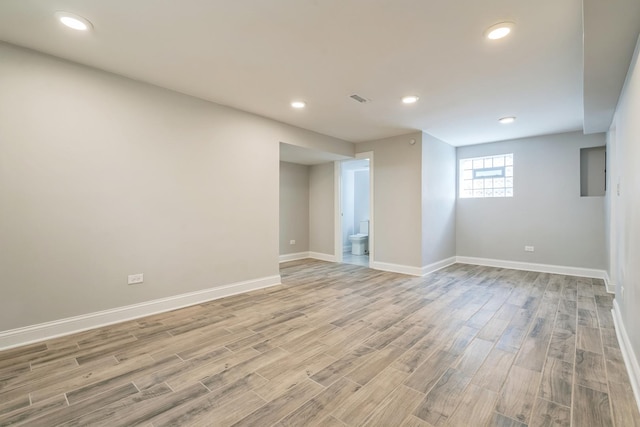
(490, 176)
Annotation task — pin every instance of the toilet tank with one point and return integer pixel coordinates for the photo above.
(364, 227)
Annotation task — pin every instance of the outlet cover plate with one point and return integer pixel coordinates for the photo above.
(134, 279)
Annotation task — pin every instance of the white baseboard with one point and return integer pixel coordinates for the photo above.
(396, 268)
(294, 257)
(426, 269)
(303, 255)
(322, 257)
(413, 271)
(528, 266)
(630, 359)
(346, 249)
(71, 325)
(611, 287)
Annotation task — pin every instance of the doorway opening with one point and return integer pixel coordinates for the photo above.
(355, 212)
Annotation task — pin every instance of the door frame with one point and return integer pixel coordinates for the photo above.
(337, 170)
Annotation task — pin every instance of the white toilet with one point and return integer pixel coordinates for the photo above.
(360, 241)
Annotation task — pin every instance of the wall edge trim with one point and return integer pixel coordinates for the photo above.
(397, 268)
(57, 328)
(438, 265)
(293, 257)
(630, 359)
(611, 287)
(322, 257)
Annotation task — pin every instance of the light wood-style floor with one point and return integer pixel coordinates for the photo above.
(340, 345)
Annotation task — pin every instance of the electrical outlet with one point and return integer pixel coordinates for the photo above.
(529, 248)
(292, 242)
(134, 279)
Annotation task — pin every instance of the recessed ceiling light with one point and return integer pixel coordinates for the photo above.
(499, 31)
(411, 99)
(298, 104)
(74, 21)
(507, 120)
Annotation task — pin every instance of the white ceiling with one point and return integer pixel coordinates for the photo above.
(258, 55)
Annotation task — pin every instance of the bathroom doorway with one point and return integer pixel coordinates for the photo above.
(355, 211)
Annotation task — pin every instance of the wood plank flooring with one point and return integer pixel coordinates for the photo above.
(342, 345)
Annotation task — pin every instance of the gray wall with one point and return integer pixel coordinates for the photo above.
(546, 211)
(397, 169)
(102, 176)
(438, 200)
(624, 206)
(294, 208)
(321, 209)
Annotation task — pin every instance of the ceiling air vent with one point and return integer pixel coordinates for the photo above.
(358, 98)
